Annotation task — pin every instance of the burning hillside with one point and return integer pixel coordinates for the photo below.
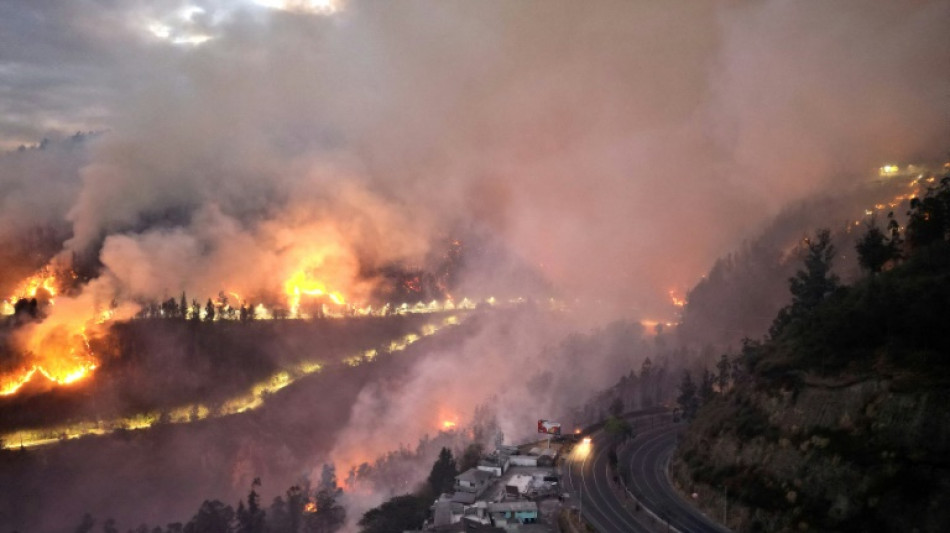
(53, 343)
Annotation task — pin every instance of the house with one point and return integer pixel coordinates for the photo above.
(521, 512)
(473, 480)
(518, 485)
(523, 460)
(496, 463)
(446, 512)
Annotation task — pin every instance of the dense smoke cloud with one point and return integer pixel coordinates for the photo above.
(615, 147)
(585, 136)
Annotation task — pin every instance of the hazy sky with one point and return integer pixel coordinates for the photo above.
(618, 146)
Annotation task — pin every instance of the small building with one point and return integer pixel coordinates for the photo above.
(446, 512)
(465, 498)
(472, 480)
(508, 449)
(496, 463)
(523, 460)
(517, 486)
(522, 512)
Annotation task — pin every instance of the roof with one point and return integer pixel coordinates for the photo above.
(474, 475)
(517, 506)
(464, 497)
(519, 480)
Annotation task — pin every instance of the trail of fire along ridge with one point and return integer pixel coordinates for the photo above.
(251, 400)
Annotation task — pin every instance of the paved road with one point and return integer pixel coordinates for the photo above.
(588, 479)
(647, 461)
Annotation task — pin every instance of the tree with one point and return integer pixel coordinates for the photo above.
(875, 249)
(618, 428)
(86, 525)
(442, 476)
(251, 518)
(809, 286)
(687, 398)
(929, 220)
(195, 310)
(616, 406)
(722, 378)
(209, 311)
(706, 387)
(183, 306)
(212, 517)
(396, 515)
(279, 521)
(471, 456)
(329, 515)
(109, 526)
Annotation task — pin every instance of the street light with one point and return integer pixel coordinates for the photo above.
(583, 451)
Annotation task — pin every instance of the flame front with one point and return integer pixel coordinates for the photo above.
(58, 351)
(301, 284)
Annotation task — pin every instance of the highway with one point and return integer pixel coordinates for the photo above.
(603, 503)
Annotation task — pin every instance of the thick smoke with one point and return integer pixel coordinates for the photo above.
(586, 136)
(615, 147)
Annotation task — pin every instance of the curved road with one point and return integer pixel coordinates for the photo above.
(603, 502)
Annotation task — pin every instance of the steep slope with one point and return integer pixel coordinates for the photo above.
(840, 421)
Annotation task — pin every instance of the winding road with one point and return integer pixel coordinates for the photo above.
(602, 500)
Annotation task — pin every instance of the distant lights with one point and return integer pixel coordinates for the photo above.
(888, 170)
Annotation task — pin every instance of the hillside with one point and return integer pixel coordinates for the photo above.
(838, 421)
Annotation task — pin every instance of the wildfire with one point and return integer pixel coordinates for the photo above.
(63, 358)
(677, 300)
(60, 354)
(44, 280)
(448, 424)
(311, 507)
(302, 284)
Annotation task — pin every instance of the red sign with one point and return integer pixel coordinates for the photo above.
(549, 427)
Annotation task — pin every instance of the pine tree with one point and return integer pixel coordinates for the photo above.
(209, 311)
(329, 515)
(706, 387)
(251, 518)
(183, 306)
(809, 286)
(687, 398)
(722, 378)
(442, 476)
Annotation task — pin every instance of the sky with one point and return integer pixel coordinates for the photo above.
(617, 147)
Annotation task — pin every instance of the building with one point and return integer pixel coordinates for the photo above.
(496, 463)
(473, 480)
(517, 486)
(508, 513)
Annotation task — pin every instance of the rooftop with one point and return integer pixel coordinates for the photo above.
(512, 506)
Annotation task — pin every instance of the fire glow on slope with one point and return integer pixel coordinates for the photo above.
(60, 353)
(251, 400)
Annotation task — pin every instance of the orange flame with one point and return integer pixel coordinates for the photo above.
(60, 353)
(300, 284)
(677, 300)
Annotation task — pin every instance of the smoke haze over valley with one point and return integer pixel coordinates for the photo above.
(541, 182)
